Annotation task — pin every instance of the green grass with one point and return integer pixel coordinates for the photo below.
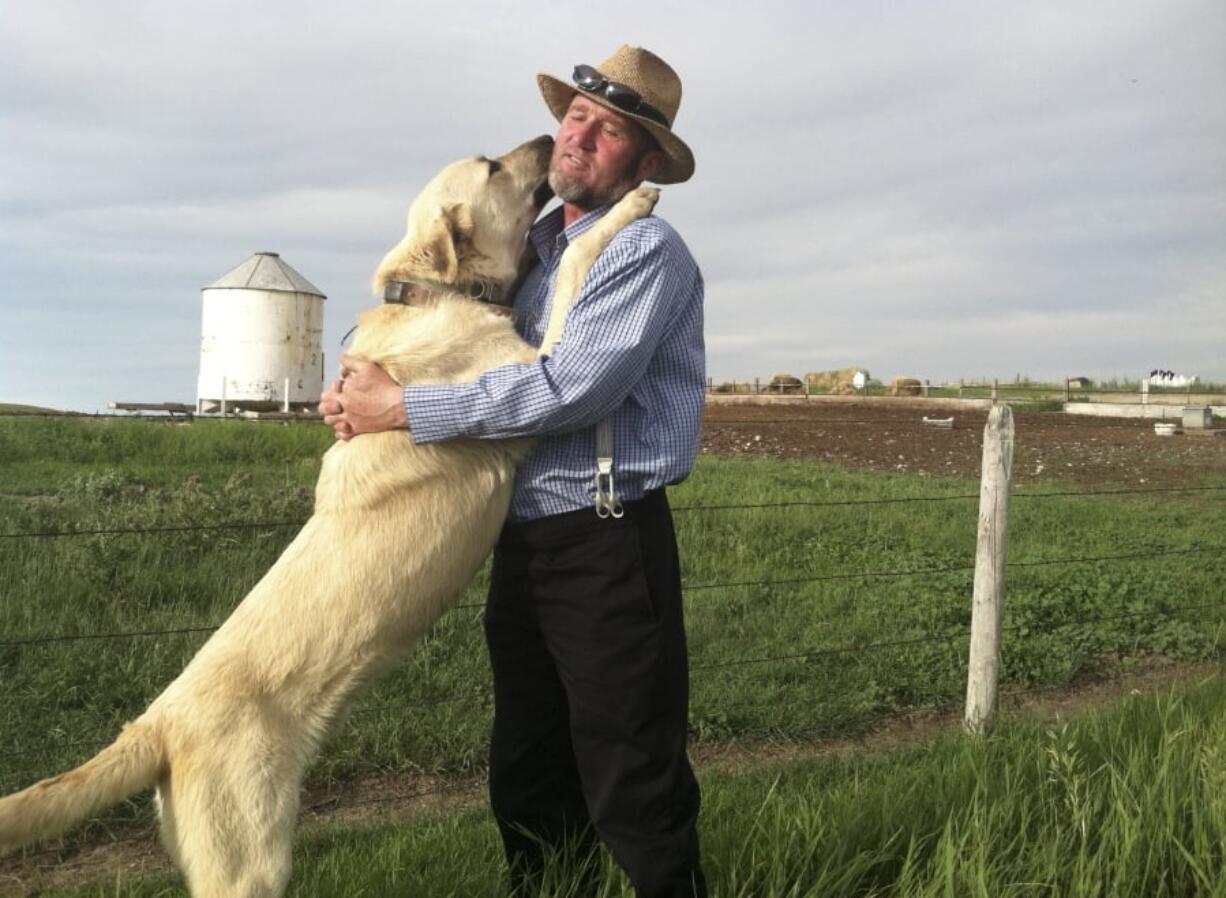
(769, 661)
(1124, 803)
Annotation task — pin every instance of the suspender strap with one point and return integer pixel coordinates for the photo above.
(607, 503)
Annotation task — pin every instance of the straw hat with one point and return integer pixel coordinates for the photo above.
(639, 85)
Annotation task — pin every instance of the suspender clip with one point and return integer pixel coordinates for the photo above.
(607, 503)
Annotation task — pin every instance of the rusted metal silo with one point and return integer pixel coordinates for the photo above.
(261, 331)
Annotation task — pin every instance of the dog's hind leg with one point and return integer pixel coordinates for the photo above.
(230, 829)
(579, 257)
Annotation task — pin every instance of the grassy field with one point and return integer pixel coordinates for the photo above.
(804, 621)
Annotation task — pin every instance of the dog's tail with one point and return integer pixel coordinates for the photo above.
(129, 764)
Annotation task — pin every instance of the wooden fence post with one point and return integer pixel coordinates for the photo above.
(995, 387)
(983, 665)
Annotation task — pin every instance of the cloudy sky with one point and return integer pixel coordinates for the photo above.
(937, 189)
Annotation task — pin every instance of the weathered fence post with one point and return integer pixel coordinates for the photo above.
(1066, 389)
(995, 387)
(983, 666)
(756, 387)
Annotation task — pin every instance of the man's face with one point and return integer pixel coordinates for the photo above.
(598, 156)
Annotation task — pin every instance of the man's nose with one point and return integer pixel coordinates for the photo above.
(585, 135)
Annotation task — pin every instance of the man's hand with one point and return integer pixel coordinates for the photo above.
(364, 400)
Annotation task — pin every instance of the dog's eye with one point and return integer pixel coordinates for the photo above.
(495, 167)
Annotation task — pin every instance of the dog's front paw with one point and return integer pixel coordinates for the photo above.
(639, 202)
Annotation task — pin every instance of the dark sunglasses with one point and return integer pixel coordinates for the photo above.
(625, 98)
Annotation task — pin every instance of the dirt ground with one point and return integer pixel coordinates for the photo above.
(1112, 452)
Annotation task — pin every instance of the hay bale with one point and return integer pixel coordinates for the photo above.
(785, 384)
(905, 386)
(841, 381)
(733, 387)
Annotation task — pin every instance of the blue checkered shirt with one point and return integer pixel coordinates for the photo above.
(632, 351)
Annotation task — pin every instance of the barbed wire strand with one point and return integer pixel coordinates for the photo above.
(792, 503)
(958, 569)
(790, 581)
(963, 631)
(79, 637)
(174, 528)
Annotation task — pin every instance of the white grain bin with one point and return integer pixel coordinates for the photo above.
(260, 348)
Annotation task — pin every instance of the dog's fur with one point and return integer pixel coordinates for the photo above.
(398, 530)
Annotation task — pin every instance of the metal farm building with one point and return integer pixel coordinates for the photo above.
(261, 331)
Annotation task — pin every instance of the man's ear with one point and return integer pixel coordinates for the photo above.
(445, 240)
(649, 165)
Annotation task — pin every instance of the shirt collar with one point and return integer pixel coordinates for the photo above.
(548, 236)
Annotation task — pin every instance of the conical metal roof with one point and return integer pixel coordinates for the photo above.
(265, 271)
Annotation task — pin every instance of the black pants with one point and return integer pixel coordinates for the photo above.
(587, 643)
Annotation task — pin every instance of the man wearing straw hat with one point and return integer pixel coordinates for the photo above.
(584, 618)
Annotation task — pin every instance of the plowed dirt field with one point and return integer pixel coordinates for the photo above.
(1047, 445)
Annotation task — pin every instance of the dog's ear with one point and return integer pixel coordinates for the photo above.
(444, 243)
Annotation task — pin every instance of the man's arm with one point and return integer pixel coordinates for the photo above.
(634, 291)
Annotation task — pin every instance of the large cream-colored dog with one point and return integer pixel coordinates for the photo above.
(398, 530)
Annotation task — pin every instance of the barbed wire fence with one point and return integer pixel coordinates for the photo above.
(1215, 552)
(1143, 392)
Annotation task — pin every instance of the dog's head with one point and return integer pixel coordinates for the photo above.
(470, 221)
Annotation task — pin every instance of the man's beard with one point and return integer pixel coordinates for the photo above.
(572, 190)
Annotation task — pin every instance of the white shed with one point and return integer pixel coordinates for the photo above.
(261, 333)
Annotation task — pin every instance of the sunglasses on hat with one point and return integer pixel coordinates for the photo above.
(625, 98)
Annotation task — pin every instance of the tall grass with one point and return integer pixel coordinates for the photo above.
(1124, 803)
